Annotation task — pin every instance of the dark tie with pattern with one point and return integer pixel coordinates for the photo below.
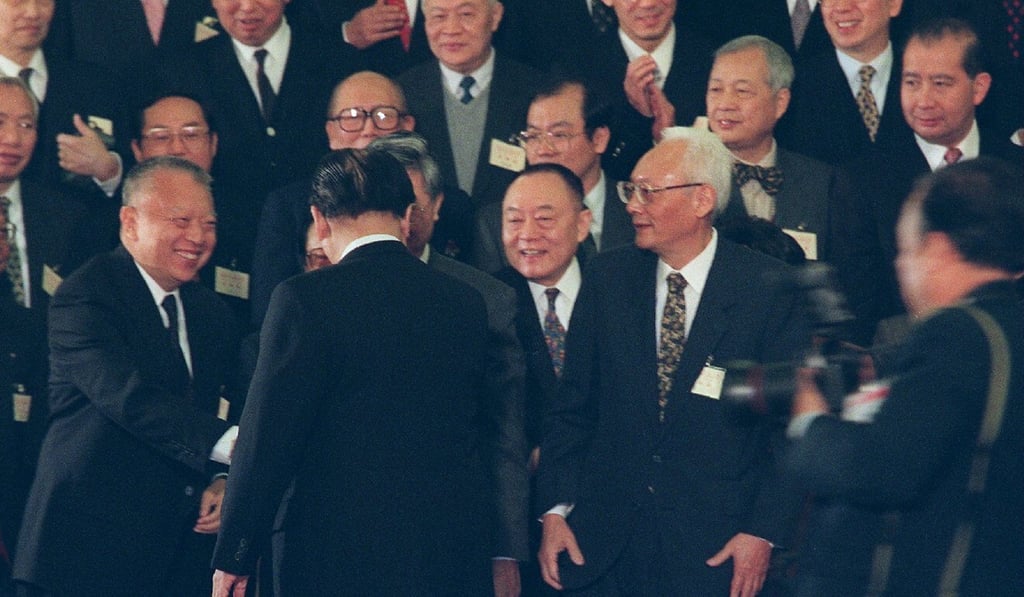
(866, 101)
(1014, 27)
(267, 95)
(554, 333)
(465, 84)
(13, 258)
(25, 75)
(673, 338)
(770, 178)
(603, 17)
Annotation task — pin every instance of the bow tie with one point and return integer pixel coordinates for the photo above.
(770, 179)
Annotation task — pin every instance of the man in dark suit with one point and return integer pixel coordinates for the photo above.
(944, 82)
(46, 224)
(471, 99)
(845, 101)
(552, 31)
(650, 71)
(662, 483)
(270, 127)
(776, 21)
(565, 125)
(140, 358)
(747, 94)
(380, 437)
(961, 244)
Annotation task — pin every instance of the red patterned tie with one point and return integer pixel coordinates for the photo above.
(154, 10)
(952, 155)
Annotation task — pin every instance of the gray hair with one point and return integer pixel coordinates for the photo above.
(410, 149)
(18, 83)
(140, 176)
(780, 65)
(706, 158)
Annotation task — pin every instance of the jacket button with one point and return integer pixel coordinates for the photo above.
(656, 458)
(189, 491)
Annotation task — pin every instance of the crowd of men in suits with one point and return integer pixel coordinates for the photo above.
(168, 167)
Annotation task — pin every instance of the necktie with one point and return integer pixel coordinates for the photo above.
(171, 308)
(465, 84)
(952, 155)
(554, 333)
(405, 33)
(267, 95)
(673, 338)
(1014, 16)
(799, 19)
(154, 10)
(603, 17)
(25, 75)
(770, 179)
(866, 101)
(14, 259)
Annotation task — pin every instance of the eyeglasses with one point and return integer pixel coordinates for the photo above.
(645, 193)
(191, 136)
(384, 118)
(557, 140)
(8, 231)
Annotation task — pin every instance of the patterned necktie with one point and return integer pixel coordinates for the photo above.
(14, 258)
(866, 101)
(770, 178)
(673, 338)
(603, 17)
(465, 85)
(799, 19)
(154, 10)
(554, 333)
(1014, 26)
(952, 155)
(267, 95)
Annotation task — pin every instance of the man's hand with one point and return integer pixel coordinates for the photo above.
(808, 397)
(226, 584)
(506, 578)
(640, 76)
(208, 522)
(750, 556)
(85, 153)
(664, 112)
(375, 23)
(557, 537)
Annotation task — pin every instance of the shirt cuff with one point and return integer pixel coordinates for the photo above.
(562, 510)
(109, 187)
(344, 32)
(222, 449)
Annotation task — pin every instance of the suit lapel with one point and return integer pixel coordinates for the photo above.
(617, 228)
(436, 127)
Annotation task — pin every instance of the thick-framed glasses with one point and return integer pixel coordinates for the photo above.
(645, 193)
(8, 231)
(556, 140)
(192, 136)
(384, 118)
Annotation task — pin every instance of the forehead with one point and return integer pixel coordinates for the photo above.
(171, 110)
(444, 5)
(537, 191)
(367, 92)
(175, 191)
(749, 64)
(566, 105)
(944, 54)
(14, 101)
(665, 160)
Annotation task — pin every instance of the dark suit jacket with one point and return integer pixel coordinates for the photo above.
(706, 473)
(252, 160)
(551, 31)
(381, 434)
(771, 19)
(823, 121)
(511, 90)
(489, 251)
(604, 69)
(53, 235)
(803, 202)
(128, 427)
(916, 454)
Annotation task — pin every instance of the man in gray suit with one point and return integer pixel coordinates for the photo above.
(748, 92)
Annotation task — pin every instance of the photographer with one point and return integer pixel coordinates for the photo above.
(961, 242)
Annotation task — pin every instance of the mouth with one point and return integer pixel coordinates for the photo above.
(11, 159)
(193, 256)
(846, 26)
(725, 124)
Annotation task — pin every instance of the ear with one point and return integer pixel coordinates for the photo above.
(406, 222)
(320, 223)
(583, 220)
(136, 151)
(600, 139)
(129, 222)
(782, 97)
(408, 123)
(438, 201)
(704, 201)
(497, 11)
(980, 86)
(213, 145)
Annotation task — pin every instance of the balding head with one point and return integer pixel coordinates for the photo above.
(363, 92)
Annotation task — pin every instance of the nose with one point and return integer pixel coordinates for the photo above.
(177, 145)
(10, 134)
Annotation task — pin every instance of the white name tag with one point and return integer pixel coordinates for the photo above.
(51, 280)
(808, 241)
(231, 282)
(507, 156)
(22, 405)
(103, 125)
(223, 408)
(709, 382)
(204, 31)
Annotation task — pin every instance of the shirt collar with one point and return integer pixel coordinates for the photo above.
(276, 46)
(662, 54)
(768, 161)
(883, 70)
(365, 240)
(40, 75)
(970, 146)
(595, 200)
(569, 285)
(482, 76)
(154, 288)
(696, 271)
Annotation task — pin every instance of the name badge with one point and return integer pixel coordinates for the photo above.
(22, 404)
(51, 280)
(231, 282)
(808, 241)
(507, 156)
(223, 408)
(102, 125)
(204, 30)
(709, 382)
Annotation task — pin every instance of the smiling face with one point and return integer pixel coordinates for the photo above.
(937, 95)
(563, 113)
(177, 116)
(646, 22)
(170, 227)
(742, 107)
(542, 225)
(252, 22)
(860, 28)
(17, 133)
(23, 27)
(459, 31)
